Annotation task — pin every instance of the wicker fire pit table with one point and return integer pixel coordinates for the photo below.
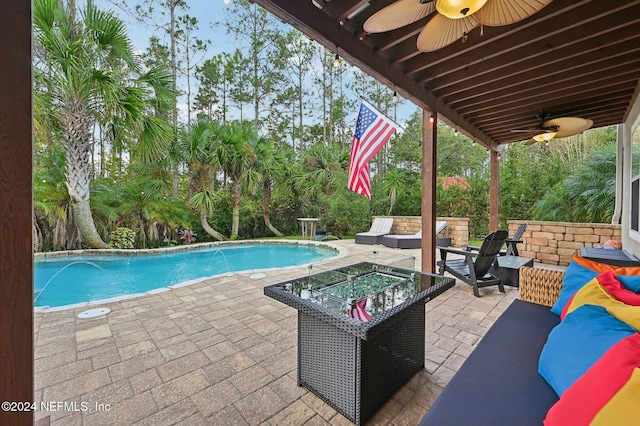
(356, 366)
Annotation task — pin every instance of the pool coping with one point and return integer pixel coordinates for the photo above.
(341, 252)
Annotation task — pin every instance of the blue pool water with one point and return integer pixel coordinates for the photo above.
(76, 279)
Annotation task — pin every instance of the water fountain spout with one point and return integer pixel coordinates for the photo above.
(215, 253)
(39, 293)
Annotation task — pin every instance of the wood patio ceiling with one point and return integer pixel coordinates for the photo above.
(573, 58)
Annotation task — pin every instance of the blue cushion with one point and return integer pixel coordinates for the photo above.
(631, 282)
(577, 343)
(575, 277)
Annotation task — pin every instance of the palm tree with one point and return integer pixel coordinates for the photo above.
(197, 147)
(323, 170)
(394, 182)
(271, 163)
(87, 67)
(235, 155)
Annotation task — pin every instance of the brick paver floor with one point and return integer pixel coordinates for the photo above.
(220, 352)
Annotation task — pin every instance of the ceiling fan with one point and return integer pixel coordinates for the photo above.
(454, 18)
(560, 127)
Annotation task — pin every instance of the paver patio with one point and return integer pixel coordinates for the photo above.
(220, 352)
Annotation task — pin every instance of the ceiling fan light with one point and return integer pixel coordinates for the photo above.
(457, 9)
(544, 137)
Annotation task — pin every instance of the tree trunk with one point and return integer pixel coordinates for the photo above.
(84, 218)
(209, 230)
(266, 203)
(77, 149)
(236, 195)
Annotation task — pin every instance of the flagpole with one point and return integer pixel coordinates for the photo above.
(393, 121)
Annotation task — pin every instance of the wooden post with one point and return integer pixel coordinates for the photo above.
(494, 189)
(16, 224)
(429, 145)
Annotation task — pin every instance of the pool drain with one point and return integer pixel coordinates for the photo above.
(94, 313)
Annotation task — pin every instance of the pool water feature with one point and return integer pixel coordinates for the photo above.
(61, 281)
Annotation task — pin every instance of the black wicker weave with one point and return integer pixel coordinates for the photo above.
(357, 366)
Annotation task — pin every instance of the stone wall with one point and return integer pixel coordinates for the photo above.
(457, 228)
(556, 242)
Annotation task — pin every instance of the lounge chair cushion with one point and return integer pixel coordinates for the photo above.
(381, 226)
(499, 383)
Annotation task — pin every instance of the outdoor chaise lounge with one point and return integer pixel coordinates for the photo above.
(412, 241)
(381, 226)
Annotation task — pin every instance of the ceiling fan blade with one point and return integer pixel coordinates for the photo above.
(441, 31)
(504, 12)
(569, 126)
(397, 15)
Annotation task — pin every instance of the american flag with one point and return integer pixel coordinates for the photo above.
(357, 310)
(373, 130)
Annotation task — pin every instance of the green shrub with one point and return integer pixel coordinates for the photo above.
(122, 238)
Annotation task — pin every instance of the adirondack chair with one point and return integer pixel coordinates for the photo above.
(512, 243)
(474, 268)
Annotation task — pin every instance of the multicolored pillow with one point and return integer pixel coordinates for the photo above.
(607, 394)
(628, 275)
(606, 291)
(577, 343)
(580, 271)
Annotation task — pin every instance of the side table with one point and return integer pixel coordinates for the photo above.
(507, 268)
(308, 227)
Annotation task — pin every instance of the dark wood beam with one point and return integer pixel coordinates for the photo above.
(494, 191)
(535, 96)
(619, 55)
(521, 53)
(429, 150)
(16, 212)
(542, 101)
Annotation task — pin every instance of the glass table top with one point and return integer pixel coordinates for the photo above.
(383, 287)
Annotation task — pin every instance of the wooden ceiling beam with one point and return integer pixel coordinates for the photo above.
(592, 113)
(551, 98)
(569, 78)
(602, 117)
(528, 116)
(545, 50)
(574, 57)
(559, 66)
(534, 95)
(339, 10)
(588, 109)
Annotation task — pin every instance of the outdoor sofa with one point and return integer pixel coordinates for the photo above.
(413, 241)
(500, 382)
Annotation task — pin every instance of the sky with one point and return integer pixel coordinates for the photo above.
(207, 12)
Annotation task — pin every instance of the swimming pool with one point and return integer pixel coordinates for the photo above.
(61, 281)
